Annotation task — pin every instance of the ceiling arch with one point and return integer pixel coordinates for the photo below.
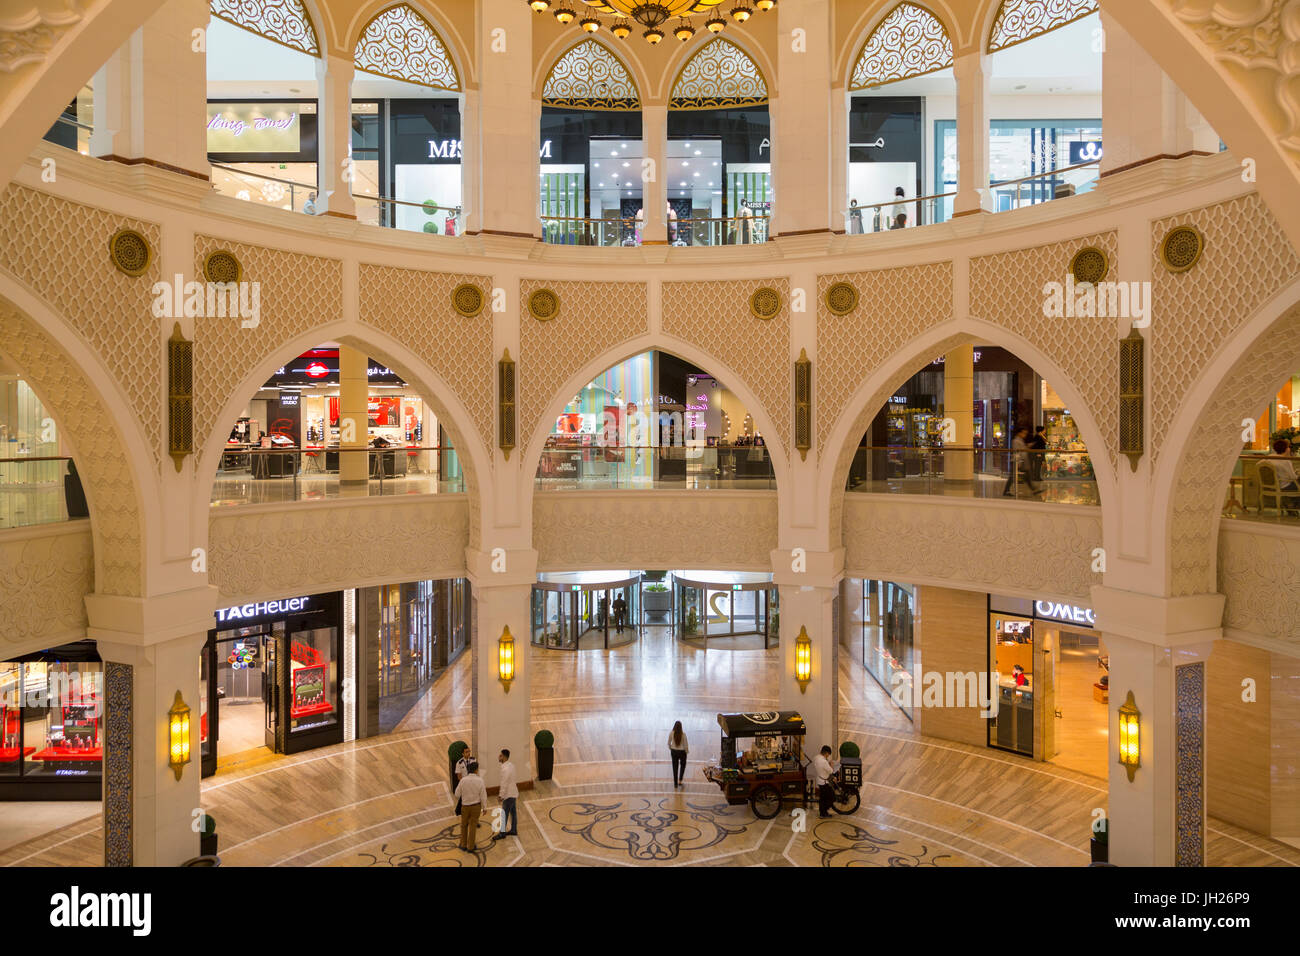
(590, 76)
(1020, 20)
(399, 43)
(719, 74)
(910, 41)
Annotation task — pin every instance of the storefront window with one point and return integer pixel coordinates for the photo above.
(264, 151)
(886, 154)
(313, 676)
(882, 614)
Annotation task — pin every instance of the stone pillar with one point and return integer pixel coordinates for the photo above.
(151, 95)
(501, 132)
(334, 137)
(958, 405)
(150, 648)
(802, 137)
(354, 419)
(502, 716)
(807, 600)
(470, 164)
(1158, 650)
(839, 159)
(654, 189)
(971, 71)
(1145, 116)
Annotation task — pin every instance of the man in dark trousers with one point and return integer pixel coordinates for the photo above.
(620, 613)
(823, 768)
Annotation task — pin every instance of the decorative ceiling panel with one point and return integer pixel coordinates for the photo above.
(719, 75)
(590, 77)
(284, 21)
(910, 41)
(401, 45)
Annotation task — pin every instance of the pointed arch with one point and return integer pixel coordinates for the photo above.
(910, 41)
(399, 43)
(285, 22)
(590, 76)
(1021, 20)
(719, 74)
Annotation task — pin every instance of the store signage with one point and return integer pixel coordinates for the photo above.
(765, 144)
(288, 398)
(253, 128)
(1065, 613)
(878, 144)
(451, 149)
(1086, 151)
(316, 370)
(244, 611)
(898, 399)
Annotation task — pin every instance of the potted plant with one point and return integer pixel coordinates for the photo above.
(692, 622)
(454, 752)
(656, 599)
(544, 740)
(1101, 840)
(208, 836)
(850, 749)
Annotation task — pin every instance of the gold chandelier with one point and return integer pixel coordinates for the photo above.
(652, 15)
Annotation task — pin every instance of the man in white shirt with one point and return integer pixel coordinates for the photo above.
(508, 794)
(822, 770)
(472, 794)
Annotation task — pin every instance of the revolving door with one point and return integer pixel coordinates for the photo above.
(709, 605)
(586, 610)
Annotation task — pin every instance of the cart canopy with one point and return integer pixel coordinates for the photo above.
(762, 725)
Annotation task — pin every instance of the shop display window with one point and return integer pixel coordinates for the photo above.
(888, 639)
(51, 718)
(313, 676)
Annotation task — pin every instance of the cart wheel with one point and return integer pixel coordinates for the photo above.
(766, 802)
(846, 800)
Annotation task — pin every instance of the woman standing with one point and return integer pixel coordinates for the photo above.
(677, 748)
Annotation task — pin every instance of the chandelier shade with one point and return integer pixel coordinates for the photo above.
(652, 13)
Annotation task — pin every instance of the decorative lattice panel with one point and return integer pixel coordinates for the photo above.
(285, 21)
(414, 307)
(590, 77)
(297, 293)
(96, 444)
(593, 318)
(908, 42)
(60, 250)
(720, 75)
(400, 44)
(1259, 574)
(1007, 290)
(852, 346)
(1246, 259)
(715, 318)
(45, 576)
(1021, 20)
(1202, 483)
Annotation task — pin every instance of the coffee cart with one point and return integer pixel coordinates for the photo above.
(762, 764)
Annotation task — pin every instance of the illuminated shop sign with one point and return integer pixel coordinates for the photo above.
(1086, 151)
(450, 149)
(253, 128)
(1065, 613)
(242, 612)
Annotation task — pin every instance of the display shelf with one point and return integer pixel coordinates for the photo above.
(64, 753)
(11, 754)
(324, 707)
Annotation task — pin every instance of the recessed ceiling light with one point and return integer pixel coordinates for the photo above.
(715, 163)
(696, 173)
(697, 152)
(681, 184)
(613, 152)
(626, 163)
(688, 145)
(685, 162)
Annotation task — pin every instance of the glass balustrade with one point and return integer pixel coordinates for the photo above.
(1059, 477)
(722, 231)
(249, 476)
(39, 490)
(733, 467)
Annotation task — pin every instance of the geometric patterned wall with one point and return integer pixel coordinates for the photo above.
(119, 766)
(1189, 767)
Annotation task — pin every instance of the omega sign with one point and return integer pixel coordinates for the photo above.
(244, 611)
(450, 149)
(1066, 613)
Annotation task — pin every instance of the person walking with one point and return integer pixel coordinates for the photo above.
(1019, 448)
(508, 793)
(471, 793)
(823, 768)
(620, 613)
(899, 209)
(677, 750)
(1037, 457)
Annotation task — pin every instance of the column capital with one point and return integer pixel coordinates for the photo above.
(146, 621)
(1160, 621)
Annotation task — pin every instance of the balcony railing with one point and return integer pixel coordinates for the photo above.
(1040, 188)
(277, 192)
(39, 490)
(728, 231)
(883, 216)
(248, 476)
(1060, 477)
(1264, 488)
(70, 133)
(596, 467)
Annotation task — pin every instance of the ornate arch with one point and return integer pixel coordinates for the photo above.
(719, 74)
(590, 76)
(1021, 20)
(285, 22)
(400, 44)
(910, 41)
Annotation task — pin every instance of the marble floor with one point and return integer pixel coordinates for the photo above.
(385, 801)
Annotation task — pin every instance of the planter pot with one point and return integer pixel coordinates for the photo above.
(1100, 851)
(205, 860)
(207, 846)
(545, 762)
(657, 603)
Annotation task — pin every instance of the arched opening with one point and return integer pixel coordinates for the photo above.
(333, 422)
(1264, 483)
(655, 421)
(37, 474)
(976, 422)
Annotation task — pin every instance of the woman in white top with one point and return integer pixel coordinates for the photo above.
(677, 748)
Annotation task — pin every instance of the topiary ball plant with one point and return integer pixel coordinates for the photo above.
(209, 825)
(544, 740)
(431, 227)
(430, 207)
(457, 748)
(850, 749)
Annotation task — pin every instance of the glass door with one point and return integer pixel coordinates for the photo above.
(270, 691)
